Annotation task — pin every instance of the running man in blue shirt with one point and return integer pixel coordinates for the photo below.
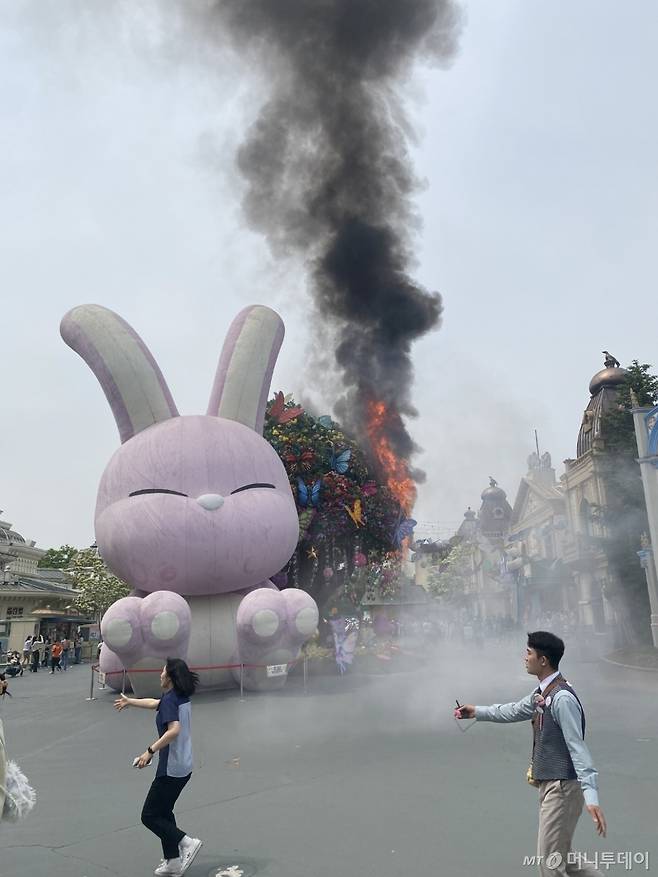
(174, 748)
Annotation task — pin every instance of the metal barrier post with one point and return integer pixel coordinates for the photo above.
(305, 674)
(123, 682)
(91, 687)
(241, 683)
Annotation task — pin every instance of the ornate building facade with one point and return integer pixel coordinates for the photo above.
(536, 544)
(31, 599)
(586, 499)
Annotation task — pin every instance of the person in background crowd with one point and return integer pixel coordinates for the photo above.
(56, 653)
(27, 650)
(38, 644)
(77, 649)
(14, 666)
(45, 658)
(66, 645)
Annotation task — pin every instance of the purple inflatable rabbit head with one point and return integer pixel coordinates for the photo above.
(193, 504)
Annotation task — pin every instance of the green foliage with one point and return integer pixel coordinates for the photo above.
(449, 579)
(618, 429)
(98, 587)
(58, 558)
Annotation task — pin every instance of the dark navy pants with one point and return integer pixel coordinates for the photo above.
(158, 812)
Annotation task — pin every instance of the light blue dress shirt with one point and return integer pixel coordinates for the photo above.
(565, 710)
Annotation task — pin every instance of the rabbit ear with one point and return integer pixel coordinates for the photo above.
(245, 368)
(130, 377)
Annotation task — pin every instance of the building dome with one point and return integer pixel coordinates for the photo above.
(604, 389)
(607, 377)
(493, 494)
(496, 512)
(468, 527)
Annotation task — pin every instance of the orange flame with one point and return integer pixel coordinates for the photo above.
(394, 469)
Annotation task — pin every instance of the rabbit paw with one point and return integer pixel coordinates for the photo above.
(152, 628)
(271, 628)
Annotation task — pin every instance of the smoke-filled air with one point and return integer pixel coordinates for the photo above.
(329, 176)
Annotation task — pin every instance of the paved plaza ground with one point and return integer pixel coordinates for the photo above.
(366, 776)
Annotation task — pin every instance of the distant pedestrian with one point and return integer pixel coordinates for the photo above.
(66, 645)
(77, 649)
(45, 657)
(38, 645)
(561, 766)
(27, 650)
(174, 743)
(55, 656)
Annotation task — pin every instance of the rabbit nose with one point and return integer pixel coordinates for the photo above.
(210, 501)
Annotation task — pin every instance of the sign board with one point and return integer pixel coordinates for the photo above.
(277, 670)
(101, 678)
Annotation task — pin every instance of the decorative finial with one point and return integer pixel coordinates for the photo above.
(610, 360)
(492, 482)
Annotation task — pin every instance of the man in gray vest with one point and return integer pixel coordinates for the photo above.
(561, 765)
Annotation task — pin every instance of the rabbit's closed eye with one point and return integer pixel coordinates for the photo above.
(156, 490)
(250, 486)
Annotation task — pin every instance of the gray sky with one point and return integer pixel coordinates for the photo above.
(117, 184)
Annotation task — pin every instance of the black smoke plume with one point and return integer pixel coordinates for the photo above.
(328, 175)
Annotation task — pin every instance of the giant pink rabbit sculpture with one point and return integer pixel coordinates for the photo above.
(194, 512)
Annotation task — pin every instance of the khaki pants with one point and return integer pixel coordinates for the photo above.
(560, 805)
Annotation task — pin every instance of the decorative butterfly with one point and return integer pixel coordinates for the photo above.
(403, 529)
(340, 462)
(305, 520)
(369, 488)
(308, 494)
(355, 513)
(278, 411)
(303, 460)
(325, 421)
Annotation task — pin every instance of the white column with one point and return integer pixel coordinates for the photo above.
(650, 484)
(585, 602)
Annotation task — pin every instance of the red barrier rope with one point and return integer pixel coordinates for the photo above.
(210, 667)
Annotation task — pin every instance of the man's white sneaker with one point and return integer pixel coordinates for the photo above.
(188, 848)
(169, 868)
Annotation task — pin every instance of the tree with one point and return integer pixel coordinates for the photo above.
(450, 577)
(58, 558)
(98, 587)
(625, 516)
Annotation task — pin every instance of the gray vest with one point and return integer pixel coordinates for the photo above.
(550, 755)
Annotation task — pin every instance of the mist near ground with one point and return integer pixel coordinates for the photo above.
(365, 774)
(117, 167)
